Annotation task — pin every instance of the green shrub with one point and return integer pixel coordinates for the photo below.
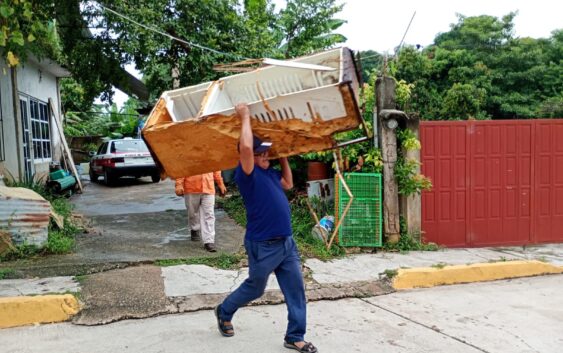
(301, 222)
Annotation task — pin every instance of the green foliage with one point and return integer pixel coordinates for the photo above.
(59, 243)
(479, 70)
(26, 28)
(235, 29)
(390, 273)
(104, 121)
(6, 273)
(223, 261)
(234, 206)
(308, 25)
(463, 101)
(409, 242)
(301, 222)
(407, 173)
(373, 162)
(34, 183)
(371, 62)
(403, 92)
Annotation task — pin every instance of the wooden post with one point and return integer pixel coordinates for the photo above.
(18, 123)
(411, 205)
(385, 95)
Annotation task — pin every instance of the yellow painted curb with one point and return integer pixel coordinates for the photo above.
(19, 311)
(430, 276)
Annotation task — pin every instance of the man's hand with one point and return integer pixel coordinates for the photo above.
(179, 192)
(242, 110)
(222, 190)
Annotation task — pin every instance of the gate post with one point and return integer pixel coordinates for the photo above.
(385, 98)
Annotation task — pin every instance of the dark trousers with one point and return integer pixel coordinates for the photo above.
(281, 257)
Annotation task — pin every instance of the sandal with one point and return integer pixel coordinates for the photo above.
(307, 348)
(225, 330)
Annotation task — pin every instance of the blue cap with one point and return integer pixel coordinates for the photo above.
(260, 146)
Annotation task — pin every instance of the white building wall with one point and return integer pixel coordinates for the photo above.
(42, 85)
(10, 162)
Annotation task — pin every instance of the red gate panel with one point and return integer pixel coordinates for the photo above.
(494, 182)
(444, 156)
(500, 183)
(549, 181)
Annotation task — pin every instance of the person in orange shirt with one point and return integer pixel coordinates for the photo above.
(199, 196)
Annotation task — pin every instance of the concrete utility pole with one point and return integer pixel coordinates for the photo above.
(385, 95)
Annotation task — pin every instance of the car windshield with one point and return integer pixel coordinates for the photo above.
(122, 146)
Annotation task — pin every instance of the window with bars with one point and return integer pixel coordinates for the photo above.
(35, 116)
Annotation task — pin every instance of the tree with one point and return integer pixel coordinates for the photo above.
(26, 28)
(479, 69)
(308, 25)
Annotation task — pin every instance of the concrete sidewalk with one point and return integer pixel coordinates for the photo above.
(145, 291)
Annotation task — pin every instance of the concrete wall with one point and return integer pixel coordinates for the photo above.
(38, 83)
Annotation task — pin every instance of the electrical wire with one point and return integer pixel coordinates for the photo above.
(156, 30)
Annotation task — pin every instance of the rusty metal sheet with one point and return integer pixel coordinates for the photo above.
(25, 215)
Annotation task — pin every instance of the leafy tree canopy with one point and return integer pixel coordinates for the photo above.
(479, 70)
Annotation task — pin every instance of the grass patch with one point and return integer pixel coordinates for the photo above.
(6, 273)
(234, 207)
(59, 241)
(408, 242)
(439, 265)
(223, 261)
(391, 273)
(80, 279)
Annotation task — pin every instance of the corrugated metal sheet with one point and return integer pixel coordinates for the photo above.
(25, 215)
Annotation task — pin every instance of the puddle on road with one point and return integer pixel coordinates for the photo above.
(175, 235)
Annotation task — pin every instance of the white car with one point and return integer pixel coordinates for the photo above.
(123, 157)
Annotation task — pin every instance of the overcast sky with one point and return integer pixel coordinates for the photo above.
(380, 25)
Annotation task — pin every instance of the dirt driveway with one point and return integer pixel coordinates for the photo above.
(135, 221)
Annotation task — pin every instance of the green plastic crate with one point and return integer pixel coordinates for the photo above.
(363, 225)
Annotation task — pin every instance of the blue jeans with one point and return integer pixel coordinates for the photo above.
(264, 257)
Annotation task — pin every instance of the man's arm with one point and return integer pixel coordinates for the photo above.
(179, 187)
(219, 180)
(286, 174)
(246, 140)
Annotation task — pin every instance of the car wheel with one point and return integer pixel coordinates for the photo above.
(93, 176)
(109, 178)
(155, 178)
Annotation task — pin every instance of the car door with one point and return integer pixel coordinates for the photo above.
(95, 164)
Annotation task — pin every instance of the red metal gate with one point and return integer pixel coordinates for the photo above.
(494, 182)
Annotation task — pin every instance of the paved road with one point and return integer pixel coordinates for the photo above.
(522, 315)
(134, 221)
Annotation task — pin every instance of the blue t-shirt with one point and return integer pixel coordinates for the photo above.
(267, 209)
